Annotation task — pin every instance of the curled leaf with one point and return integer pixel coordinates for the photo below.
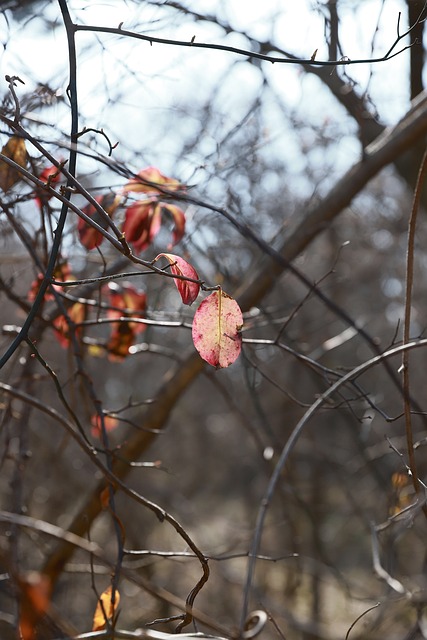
(144, 218)
(150, 179)
(105, 609)
(216, 329)
(15, 150)
(188, 290)
(137, 226)
(178, 218)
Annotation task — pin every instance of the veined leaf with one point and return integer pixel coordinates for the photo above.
(216, 329)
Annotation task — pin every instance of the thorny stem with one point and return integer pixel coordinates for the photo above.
(391, 53)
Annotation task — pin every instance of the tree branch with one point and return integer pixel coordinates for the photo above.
(392, 143)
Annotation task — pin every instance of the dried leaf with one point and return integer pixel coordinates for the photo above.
(402, 494)
(15, 150)
(216, 329)
(104, 498)
(180, 267)
(105, 609)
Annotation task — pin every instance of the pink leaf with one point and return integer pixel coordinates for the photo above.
(216, 329)
(180, 267)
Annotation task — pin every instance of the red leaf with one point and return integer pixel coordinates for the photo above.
(127, 302)
(110, 424)
(121, 339)
(143, 220)
(88, 235)
(35, 592)
(180, 267)
(49, 175)
(216, 329)
(137, 224)
(178, 217)
(148, 179)
(76, 313)
(62, 273)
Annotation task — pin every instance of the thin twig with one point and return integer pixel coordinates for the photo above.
(289, 447)
(407, 323)
(375, 606)
(391, 53)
